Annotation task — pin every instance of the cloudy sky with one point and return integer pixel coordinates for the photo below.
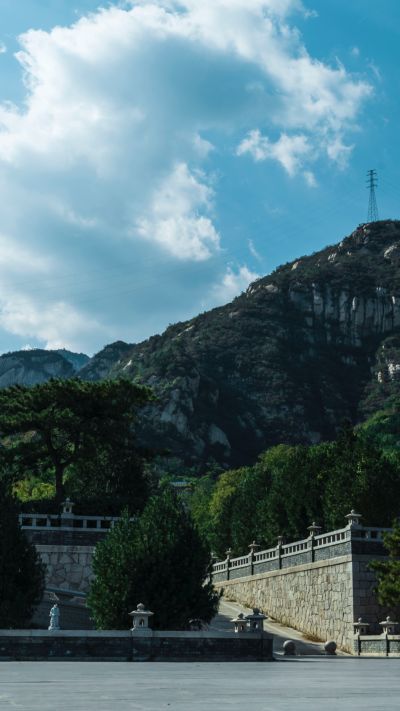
(157, 156)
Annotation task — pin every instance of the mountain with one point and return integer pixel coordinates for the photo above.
(33, 366)
(312, 342)
(77, 359)
(98, 367)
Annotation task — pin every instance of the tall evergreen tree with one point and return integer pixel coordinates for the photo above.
(70, 420)
(159, 560)
(388, 573)
(21, 571)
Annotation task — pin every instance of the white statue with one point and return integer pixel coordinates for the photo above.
(54, 618)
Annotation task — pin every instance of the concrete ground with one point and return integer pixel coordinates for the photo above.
(309, 681)
(293, 684)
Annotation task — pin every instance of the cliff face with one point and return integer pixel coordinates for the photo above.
(77, 359)
(31, 367)
(98, 367)
(284, 362)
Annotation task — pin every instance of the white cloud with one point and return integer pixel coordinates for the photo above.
(254, 251)
(288, 150)
(310, 178)
(233, 283)
(175, 222)
(109, 157)
(3, 48)
(355, 52)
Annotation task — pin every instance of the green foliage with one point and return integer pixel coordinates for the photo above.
(159, 560)
(116, 478)
(69, 420)
(293, 486)
(388, 573)
(21, 571)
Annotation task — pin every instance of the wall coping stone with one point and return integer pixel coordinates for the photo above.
(326, 563)
(128, 633)
(63, 549)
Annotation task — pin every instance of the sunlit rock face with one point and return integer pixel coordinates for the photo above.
(33, 366)
(284, 362)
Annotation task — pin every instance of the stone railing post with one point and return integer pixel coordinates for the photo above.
(228, 561)
(314, 531)
(254, 547)
(281, 542)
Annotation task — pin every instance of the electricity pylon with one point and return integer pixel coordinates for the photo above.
(372, 206)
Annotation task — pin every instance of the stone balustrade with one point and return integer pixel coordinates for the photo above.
(353, 539)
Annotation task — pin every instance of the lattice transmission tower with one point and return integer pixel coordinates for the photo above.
(372, 181)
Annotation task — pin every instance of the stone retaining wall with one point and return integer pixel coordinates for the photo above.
(323, 598)
(35, 645)
(68, 567)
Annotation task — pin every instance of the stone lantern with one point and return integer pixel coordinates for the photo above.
(240, 623)
(254, 548)
(282, 539)
(353, 518)
(228, 554)
(256, 621)
(141, 621)
(314, 529)
(389, 627)
(360, 627)
(67, 516)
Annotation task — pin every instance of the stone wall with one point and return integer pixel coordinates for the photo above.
(34, 645)
(68, 567)
(323, 598)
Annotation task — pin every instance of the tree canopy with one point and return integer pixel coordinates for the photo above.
(388, 573)
(291, 487)
(159, 560)
(62, 422)
(21, 571)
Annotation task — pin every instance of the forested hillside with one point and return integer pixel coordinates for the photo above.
(284, 363)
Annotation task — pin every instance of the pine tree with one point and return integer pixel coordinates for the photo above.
(21, 571)
(160, 561)
(388, 573)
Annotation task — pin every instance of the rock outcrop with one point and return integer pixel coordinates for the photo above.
(284, 362)
(98, 367)
(33, 366)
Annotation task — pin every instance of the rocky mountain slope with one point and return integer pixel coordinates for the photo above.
(33, 366)
(77, 359)
(98, 367)
(305, 346)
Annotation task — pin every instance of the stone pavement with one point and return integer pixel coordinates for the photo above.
(290, 684)
(229, 610)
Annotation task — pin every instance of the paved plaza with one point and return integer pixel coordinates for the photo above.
(309, 681)
(298, 684)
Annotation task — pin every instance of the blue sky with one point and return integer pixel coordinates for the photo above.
(156, 157)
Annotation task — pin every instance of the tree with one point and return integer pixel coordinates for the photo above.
(388, 573)
(114, 479)
(68, 420)
(21, 571)
(159, 560)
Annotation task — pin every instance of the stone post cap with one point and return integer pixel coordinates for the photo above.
(389, 627)
(240, 623)
(256, 615)
(228, 553)
(68, 506)
(360, 627)
(314, 529)
(140, 611)
(353, 518)
(254, 547)
(282, 538)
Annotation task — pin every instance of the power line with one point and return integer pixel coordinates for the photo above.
(372, 206)
(130, 291)
(322, 202)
